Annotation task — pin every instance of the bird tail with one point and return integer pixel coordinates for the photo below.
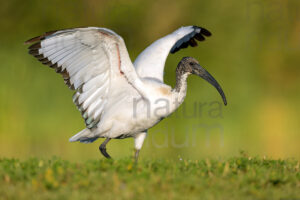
(84, 136)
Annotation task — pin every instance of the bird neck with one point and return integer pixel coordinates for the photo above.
(180, 88)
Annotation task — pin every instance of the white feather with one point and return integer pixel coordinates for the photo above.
(151, 62)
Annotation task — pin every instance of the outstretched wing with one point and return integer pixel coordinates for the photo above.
(151, 62)
(88, 59)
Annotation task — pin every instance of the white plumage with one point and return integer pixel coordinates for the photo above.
(151, 62)
(116, 98)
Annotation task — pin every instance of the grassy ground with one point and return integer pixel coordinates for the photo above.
(235, 178)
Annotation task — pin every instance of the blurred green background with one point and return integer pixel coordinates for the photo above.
(254, 54)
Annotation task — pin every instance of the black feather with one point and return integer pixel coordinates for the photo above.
(189, 39)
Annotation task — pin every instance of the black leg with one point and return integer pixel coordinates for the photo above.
(102, 148)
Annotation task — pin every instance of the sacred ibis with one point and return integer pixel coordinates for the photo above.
(117, 98)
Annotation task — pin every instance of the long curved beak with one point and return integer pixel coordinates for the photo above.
(200, 71)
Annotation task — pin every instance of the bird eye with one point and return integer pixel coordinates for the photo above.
(191, 63)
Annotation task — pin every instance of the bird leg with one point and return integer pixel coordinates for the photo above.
(102, 148)
(138, 143)
(136, 155)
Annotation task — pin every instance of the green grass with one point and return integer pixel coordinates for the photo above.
(240, 177)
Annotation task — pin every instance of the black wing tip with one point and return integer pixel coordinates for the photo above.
(36, 45)
(203, 31)
(206, 32)
(32, 40)
(198, 35)
(39, 38)
(34, 50)
(173, 51)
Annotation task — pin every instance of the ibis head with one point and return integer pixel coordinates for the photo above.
(189, 65)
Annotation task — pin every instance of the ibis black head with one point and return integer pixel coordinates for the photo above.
(191, 66)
